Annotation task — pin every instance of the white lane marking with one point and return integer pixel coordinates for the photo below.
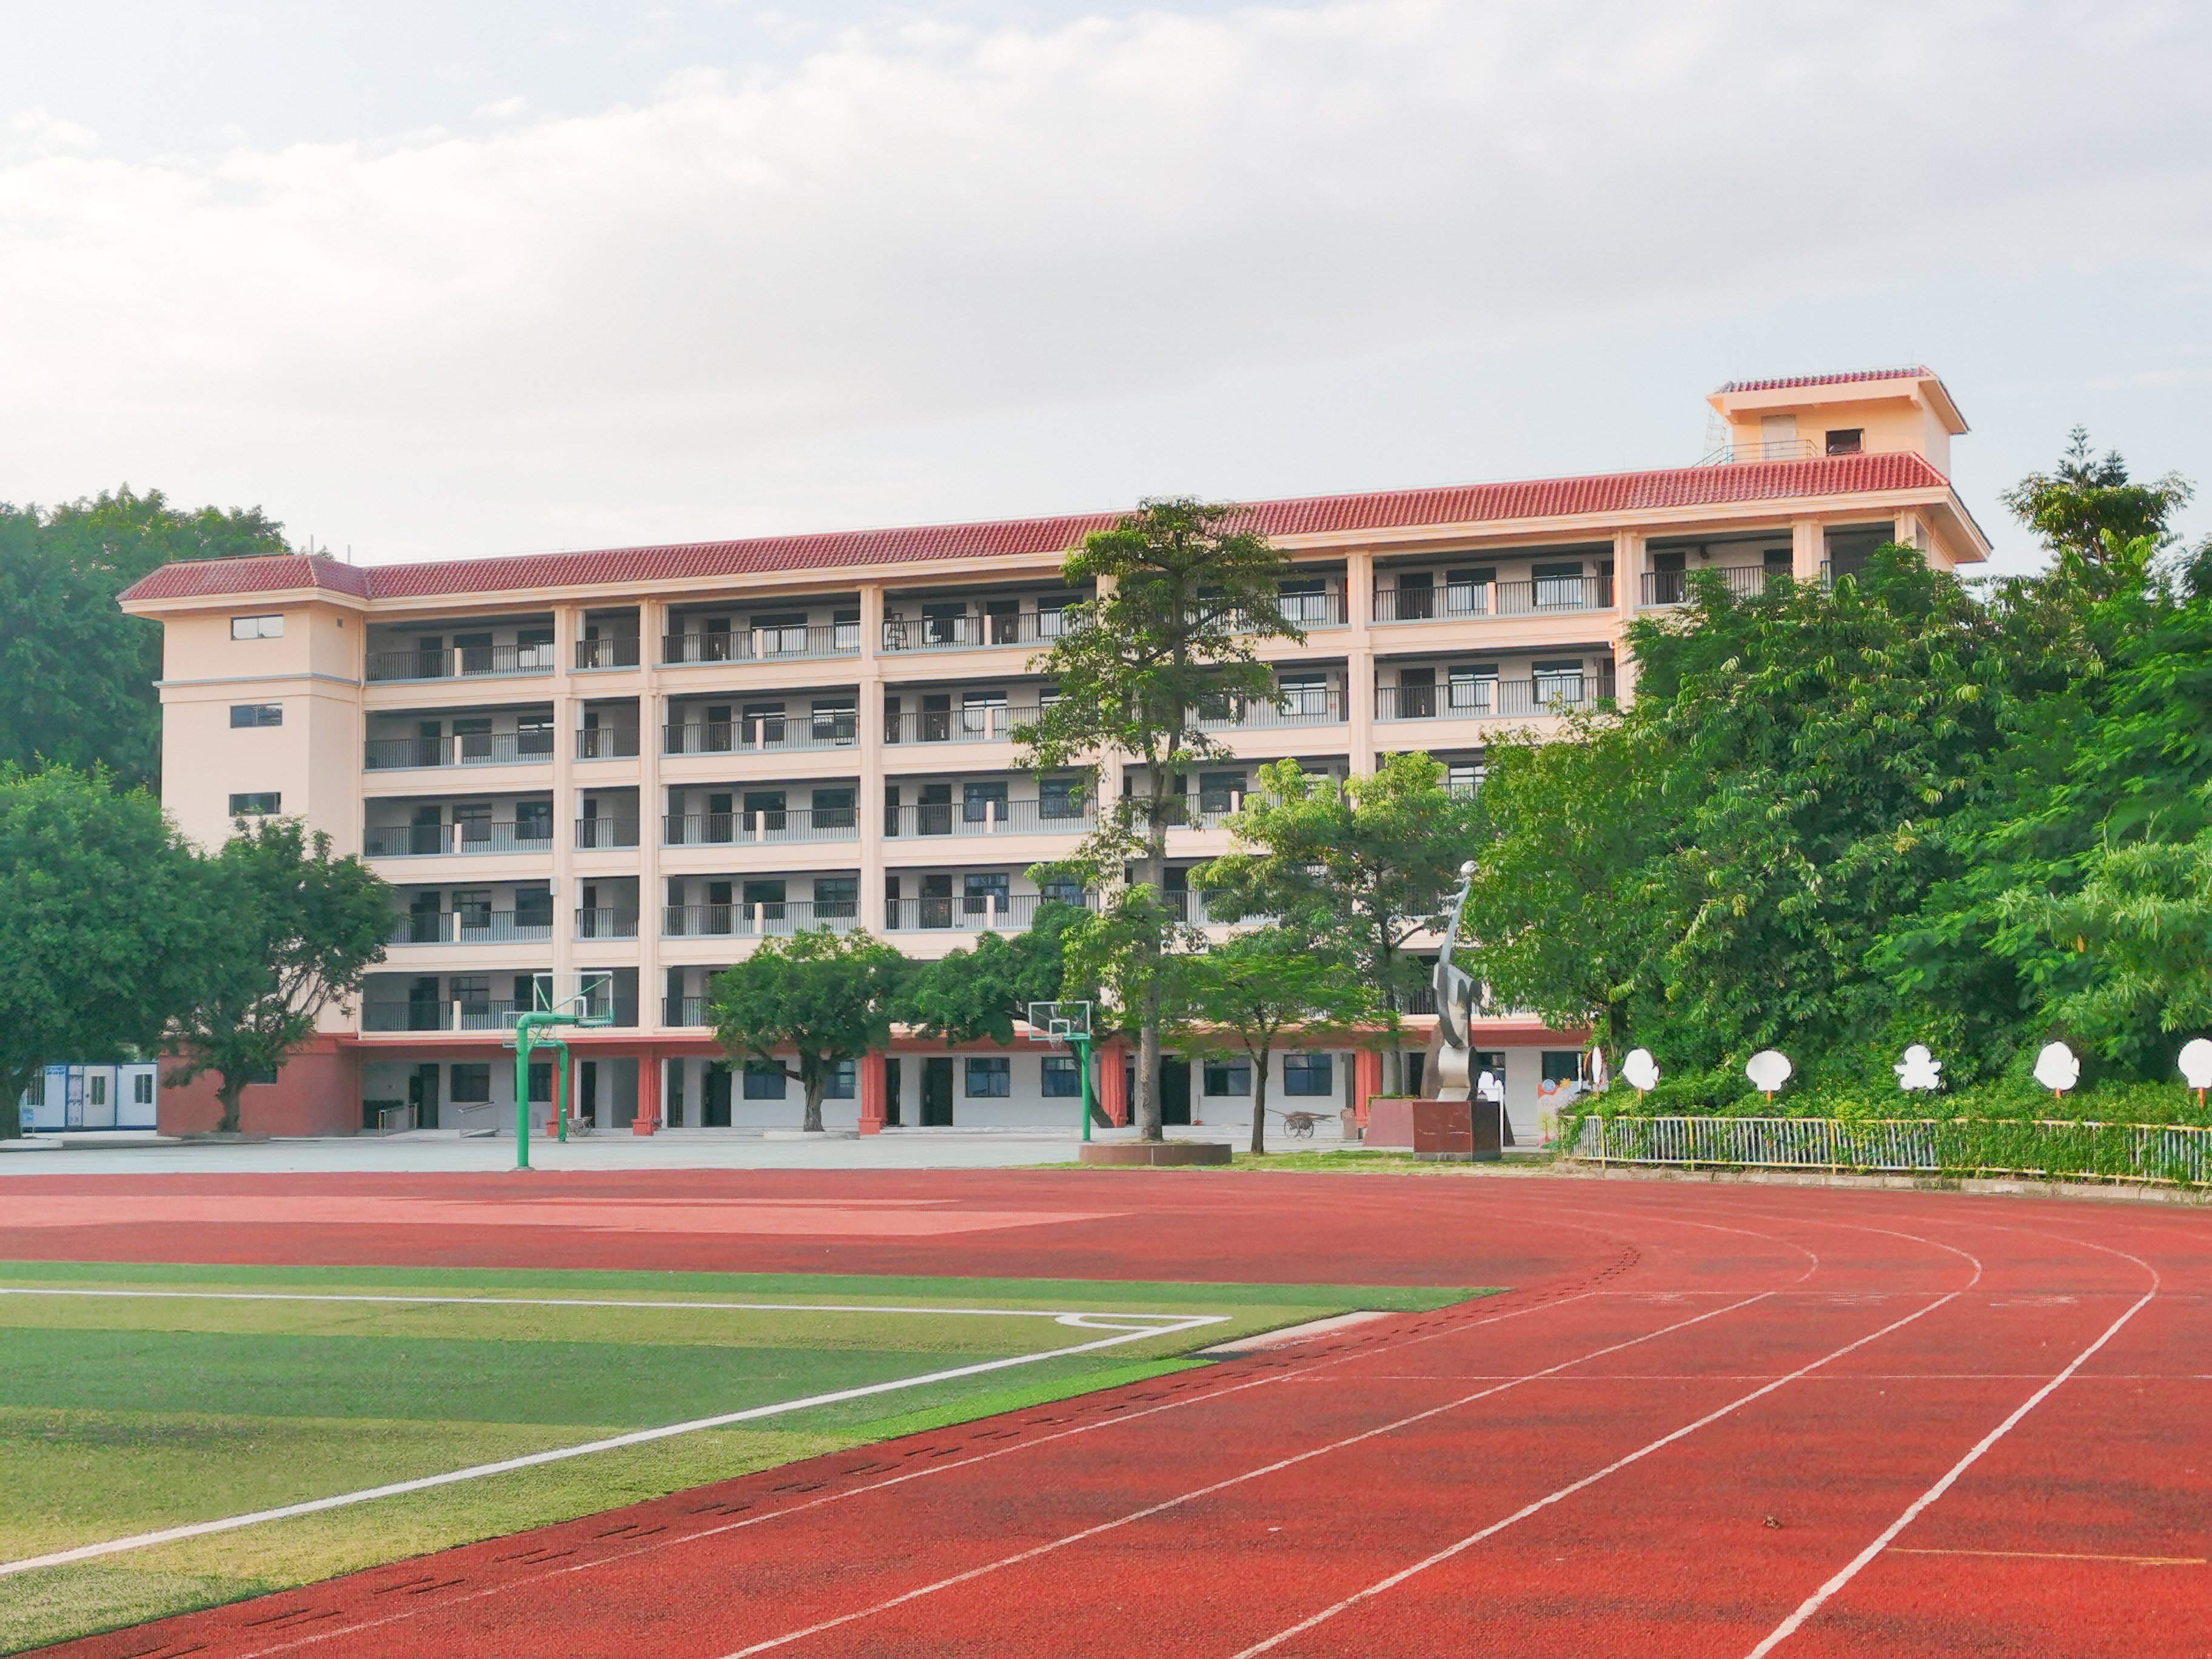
(1383, 1585)
(637, 1438)
(1064, 1318)
(1813, 1604)
(1033, 1552)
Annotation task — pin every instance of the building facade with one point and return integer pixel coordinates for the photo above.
(608, 775)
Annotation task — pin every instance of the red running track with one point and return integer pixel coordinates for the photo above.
(1723, 1421)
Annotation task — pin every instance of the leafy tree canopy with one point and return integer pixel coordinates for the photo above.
(827, 996)
(1241, 993)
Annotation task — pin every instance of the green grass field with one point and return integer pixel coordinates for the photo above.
(217, 1396)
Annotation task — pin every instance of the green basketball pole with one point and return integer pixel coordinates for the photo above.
(1082, 1046)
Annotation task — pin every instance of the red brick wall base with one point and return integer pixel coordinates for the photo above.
(316, 1092)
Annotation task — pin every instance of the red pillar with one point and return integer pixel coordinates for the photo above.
(648, 1095)
(1366, 1082)
(1113, 1088)
(871, 1092)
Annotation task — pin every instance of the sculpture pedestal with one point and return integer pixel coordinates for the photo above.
(1439, 1131)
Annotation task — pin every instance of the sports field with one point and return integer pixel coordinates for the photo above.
(149, 1400)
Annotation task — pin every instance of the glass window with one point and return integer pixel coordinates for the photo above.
(1061, 890)
(257, 628)
(1308, 1075)
(257, 714)
(1061, 1080)
(141, 1088)
(1562, 1065)
(1846, 440)
(1061, 798)
(986, 895)
(837, 896)
(471, 1083)
(843, 1081)
(1229, 1077)
(262, 803)
(764, 1080)
(989, 1077)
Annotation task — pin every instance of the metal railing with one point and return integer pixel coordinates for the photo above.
(605, 832)
(609, 651)
(838, 731)
(1482, 700)
(418, 841)
(461, 662)
(1299, 707)
(904, 632)
(732, 828)
(998, 912)
(1745, 581)
(607, 743)
(772, 919)
(1313, 610)
(470, 927)
(456, 1014)
(606, 921)
(2040, 1148)
(1762, 449)
(1536, 596)
(974, 723)
(470, 749)
(990, 818)
(683, 1011)
(764, 644)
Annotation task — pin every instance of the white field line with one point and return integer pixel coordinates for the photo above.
(1383, 1585)
(1197, 1492)
(640, 1436)
(1087, 1321)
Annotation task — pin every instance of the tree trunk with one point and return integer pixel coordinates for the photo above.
(228, 1096)
(813, 1080)
(1393, 1059)
(1148, 1020)
(11, 1112)
(1259, 1101)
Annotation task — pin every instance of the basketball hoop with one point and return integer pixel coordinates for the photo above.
(1066, 1025)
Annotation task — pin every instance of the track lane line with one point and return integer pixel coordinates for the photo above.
(1383, 1586)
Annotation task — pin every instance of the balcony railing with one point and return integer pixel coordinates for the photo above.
(461, 662)
(991, 818)
(607, 743)
(1453, 600)
(764, 644)
(998, 912)
(470, 927)
(419, 841)
(1483, 700)
(683, 1011)
(1300, 707)
(974, 723)
(1313, 610)
(594, 833)
(734, 829)
(838, 731)
(606, 923)
(774, 919)
(471, 748)
(612, 651)
(1764, 449)
(1745, 581)
(420, 1014)
(903, 632)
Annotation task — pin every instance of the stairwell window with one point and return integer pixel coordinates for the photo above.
(257, 628)
(1846, 440)
(255, 714)
(265, 802)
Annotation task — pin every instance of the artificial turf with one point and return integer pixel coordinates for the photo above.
(127, 1414)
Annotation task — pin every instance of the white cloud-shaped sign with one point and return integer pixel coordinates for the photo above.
(1768, 1070)
(2196, 1063)
(1597, 1068)
(1640, 1069)
(1919, 1069)
(2056, 1067)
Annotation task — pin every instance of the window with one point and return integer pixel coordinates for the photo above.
(1229, 1077)
(141, 1088)
(471, 1083)
(989, 1078)
(1061, 890)
(258, 804)
(1474, 686)
(257, 714)
(1308, 1075)
(1218, 791)
(1562, 1065)
(1557, 682)
(541, 1083)
(1464, 777)
(1061, 798)
(764, 1080)
(1304, 693)
(1061, 1080)
(257, 628)
(266, 1074)
(95, 1090)
(837, 896)
(1846, 440)
(843, 1081)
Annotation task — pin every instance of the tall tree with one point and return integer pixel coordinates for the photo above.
(1367, 862)
(296, 931)
(1247, 990)
(80, 674)
(2086, 508)
(109, 927)
(828, 997)
(1185, 588)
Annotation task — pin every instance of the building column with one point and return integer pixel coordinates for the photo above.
(1805, 550)
(871, 1092)
(651, 810)
(868, 714)
(1359, 660)
(1909, 532)
(648, 1094)
(1366, 1082)
(1627, 593)
(567, 722)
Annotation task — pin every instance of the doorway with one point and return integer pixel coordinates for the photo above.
(891, 1091)
(1175, 1090)
(937, 1092)
(423, 1096)
(587, 1091)
(714, 1109)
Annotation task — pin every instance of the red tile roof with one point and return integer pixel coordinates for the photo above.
(1914, 371)
(1310, 515)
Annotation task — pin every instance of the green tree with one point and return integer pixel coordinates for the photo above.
(295, 930)
(2085, 508)
(827, 996)
(1366, 863)
(109, 928)
(1185, 588)
(80, 674)
(1253, 987)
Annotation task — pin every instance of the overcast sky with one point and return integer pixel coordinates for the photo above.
(435, 280)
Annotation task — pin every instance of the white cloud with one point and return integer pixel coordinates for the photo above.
(933, 224)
